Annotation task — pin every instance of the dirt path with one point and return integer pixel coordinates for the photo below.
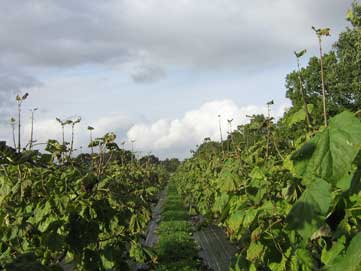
(152, 237)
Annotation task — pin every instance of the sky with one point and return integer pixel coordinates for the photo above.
(155, 71)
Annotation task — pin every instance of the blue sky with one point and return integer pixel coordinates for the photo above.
(155, 71)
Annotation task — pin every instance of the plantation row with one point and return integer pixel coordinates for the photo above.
(297, 213)
(88, 212)
(288, 193)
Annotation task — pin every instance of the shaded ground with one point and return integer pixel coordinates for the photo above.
(152, 237)
(216, 250)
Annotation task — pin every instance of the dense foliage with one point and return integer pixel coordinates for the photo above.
(88, 212)
(342, 73)
(290, 210)
(287, 193)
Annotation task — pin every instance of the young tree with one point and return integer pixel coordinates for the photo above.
(133, 141)
(73, 123)
(229, 125)
(230, 132)
(12, 124)
(63, 123)
(303, 95)
(269, 104)
(220, 128)
(32, 128)
(90, 129)
(322, 32)
(19, 100)
(123, 153)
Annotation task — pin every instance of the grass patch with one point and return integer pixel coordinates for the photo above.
(178, 266)
(172, 205)
(176, 248)
(173, 200)
(172, 226)
(174, 215)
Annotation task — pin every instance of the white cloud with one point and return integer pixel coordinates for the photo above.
(164, 137)
(116, 122)
(178, 136)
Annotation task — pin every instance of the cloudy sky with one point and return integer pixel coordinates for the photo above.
(155, 71)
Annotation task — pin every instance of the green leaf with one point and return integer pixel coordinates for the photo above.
(255, 251)
(249, 216)
(228, 182)
(235, 221)
(137, 253)
(220, 202)
(257, 173)
(41, 213)
(345, 182)
(240, 264)
(138, 221)
(306, 214)
(328, 256)
(44, 225)
(300, 53)
(282, 266)
(152, 190)
(351, 261)
(299, 116)
(5, 187)
(335, 148)
(304, 260)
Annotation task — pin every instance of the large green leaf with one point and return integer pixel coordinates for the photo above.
(305, 260)
(299, 116)
(228, 181)
(250, 215)
(258, 178)
(332, 150)
(255, 251)
(235, 220)
(5, 187)
(220, 202)
(281, 266)
(137, 253)
(306, 214)
(328, 256)
(351, 260)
